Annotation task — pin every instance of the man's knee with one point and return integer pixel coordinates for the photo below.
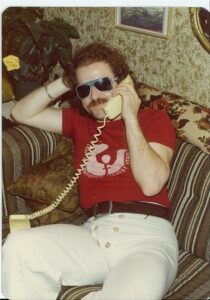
(144, 277)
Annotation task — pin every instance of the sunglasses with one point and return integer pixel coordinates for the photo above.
(102, 84)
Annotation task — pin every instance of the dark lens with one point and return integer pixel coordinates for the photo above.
(83, 91)
(103, 84)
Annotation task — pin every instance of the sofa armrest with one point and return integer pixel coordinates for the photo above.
(22, 147)
(188, 187)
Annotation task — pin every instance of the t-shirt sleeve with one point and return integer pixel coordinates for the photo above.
(158, 128)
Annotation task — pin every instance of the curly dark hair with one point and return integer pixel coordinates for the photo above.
(95, 52)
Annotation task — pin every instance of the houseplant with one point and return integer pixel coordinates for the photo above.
(37, 43)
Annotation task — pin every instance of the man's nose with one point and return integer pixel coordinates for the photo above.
(95, 93)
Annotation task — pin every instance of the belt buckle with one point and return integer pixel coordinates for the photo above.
(105, 214)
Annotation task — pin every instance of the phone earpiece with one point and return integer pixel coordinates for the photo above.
(113, 107)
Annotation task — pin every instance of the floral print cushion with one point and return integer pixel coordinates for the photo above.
(45, 181)
(191, 120)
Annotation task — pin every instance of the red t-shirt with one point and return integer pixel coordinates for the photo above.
(107, 175)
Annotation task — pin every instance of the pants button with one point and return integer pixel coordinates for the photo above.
(121, 216)
(116, 229)
(107, 245)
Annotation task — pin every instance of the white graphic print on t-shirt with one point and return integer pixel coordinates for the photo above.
(104, 162)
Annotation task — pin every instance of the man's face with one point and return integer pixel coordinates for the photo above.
(95, 100)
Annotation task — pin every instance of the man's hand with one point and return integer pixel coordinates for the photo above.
(130, 100)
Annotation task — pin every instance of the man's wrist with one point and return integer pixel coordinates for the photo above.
(48, 92)
(131, 119)
(55, 89)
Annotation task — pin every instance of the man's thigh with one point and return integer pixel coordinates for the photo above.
(69, 249)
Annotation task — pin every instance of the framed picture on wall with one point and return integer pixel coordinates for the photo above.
(153, 21)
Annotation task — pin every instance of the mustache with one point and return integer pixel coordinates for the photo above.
(97, 102)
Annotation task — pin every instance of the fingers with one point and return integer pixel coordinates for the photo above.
(128, 93)
(124, 90)
(130, 100)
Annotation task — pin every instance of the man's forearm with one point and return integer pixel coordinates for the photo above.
(149, 169)
(37, 101)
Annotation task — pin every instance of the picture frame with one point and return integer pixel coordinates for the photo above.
(200, 22)
(154, 21)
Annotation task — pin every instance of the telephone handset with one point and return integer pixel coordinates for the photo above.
(114, 106)
(112, 109)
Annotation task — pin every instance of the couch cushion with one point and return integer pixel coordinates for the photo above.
(46, 180)
(76, 216)
(77, 292)
(41, 185)
(191, 120)
(189, 192)
(22, 147)
(192, 282)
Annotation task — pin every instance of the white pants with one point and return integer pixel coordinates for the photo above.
(135, 256)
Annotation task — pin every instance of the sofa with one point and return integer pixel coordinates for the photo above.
(37, 165)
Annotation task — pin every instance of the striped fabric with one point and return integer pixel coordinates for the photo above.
(193, 272)
(77, 292)
(189, 192)
(22, 147)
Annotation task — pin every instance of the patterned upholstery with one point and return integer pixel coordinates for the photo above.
(51, 176)
(22, 147)
(188, 187)
(192, 272)
(191, 120)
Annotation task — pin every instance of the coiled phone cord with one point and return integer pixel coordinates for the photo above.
(74, 179)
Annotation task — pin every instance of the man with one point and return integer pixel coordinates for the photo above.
(127, 244)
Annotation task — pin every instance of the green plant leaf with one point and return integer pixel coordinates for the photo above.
(36, 30)
(64, 56)
(64, 29)
(38, 43)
